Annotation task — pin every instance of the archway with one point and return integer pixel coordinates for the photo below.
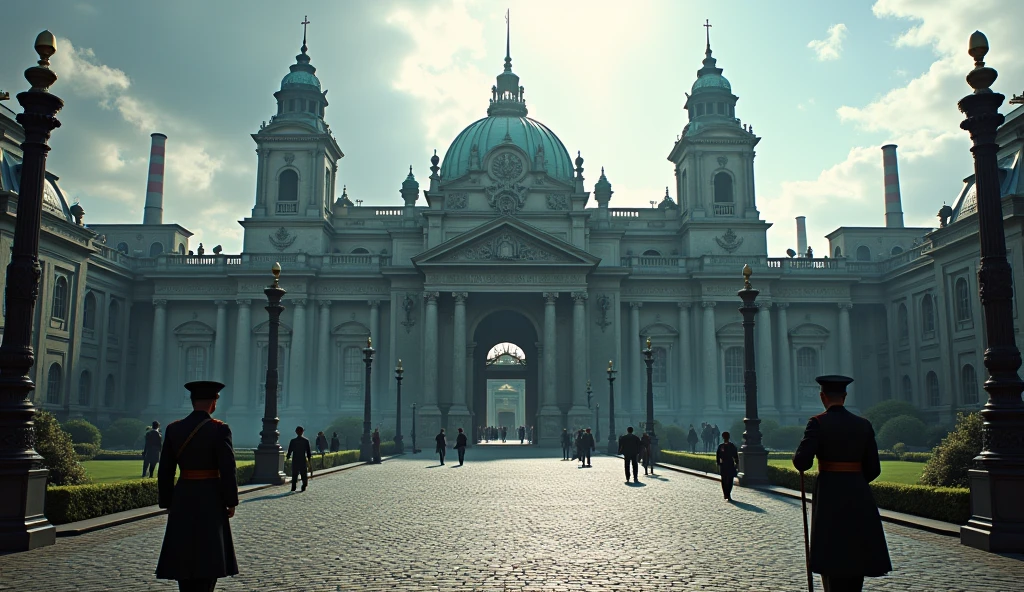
(501, 327)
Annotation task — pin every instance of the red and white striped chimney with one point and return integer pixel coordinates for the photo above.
(893, 202)
(154, 211)
(801, 236)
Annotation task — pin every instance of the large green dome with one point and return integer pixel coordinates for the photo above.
(523, 132)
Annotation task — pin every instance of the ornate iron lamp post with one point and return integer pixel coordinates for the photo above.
(366, 447)
(649, 360)
(22, 476)
(590, 393)
(753, 469)
(613, 445)
(269, 455)
(414, 450)
(399, 447)
(996, 524)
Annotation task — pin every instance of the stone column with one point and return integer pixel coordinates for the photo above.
(375, 335)
(579, 414)
(712, 396)
(845, 344)
(323, 358)
(157, 355)
(634, 387)
(458, 414)
(220, 344)
(788, 398)
(687, 398)
(765, 363)
(240, 394)
(550, 416)
(429, 413)
(297, 362)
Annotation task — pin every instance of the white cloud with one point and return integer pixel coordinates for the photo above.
(190, 168)
(830, 47)
(82, 74)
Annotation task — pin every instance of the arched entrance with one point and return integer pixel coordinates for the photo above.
(505, 326)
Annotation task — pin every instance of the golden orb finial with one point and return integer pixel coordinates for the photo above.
(399, 363)
(746, 277)
(648, 343)
(369, 342)
(609, 364)
(276, 270)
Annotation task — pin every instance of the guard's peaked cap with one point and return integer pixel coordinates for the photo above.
(833, 384)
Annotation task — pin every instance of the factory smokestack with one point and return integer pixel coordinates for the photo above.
(893, 202)
(801, 236)
(154, 212)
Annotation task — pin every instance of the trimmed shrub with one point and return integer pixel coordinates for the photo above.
(768, 427)
(887, 455)
(675, 438)
(907, 429)
(118, 455)
(82, 432)
(350, 431)
(123, 433)
(86, 451)
(921, 457)
(899, 449)
(699, 462)
(935, 435)
(80, 502)
(952, 458)
(881, 413)
(54, 445)
(785, 438)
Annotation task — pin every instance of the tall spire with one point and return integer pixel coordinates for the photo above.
(707, 32)
(710, 63)
(507, 95)
(305, 21)
(508, 41)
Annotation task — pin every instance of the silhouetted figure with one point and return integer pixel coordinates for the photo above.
(629, 448)
(579, 445)
(847, 540)
(200, 251)
(151, 450)
(532, 439)
(460, 446)
(299, 446)
(321, 443)
(375, 441)
(566, 444)
(645, 452)
(716, 434)
(197, 547)
(587, 446)
(705, 436)
(442, 445)
(692, 439)
(522, 434)
(728, 458)
(504, 433)
(335, 443)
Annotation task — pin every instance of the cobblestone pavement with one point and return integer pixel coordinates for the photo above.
(518, 523)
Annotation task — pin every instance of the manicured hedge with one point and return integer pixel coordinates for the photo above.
(118, 455)
(698, 462)
(85, 451)
(71, 503)
(916, 456)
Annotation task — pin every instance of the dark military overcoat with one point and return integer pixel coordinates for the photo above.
(197, 543)
(846, 531)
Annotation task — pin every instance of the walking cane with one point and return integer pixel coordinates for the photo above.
(807, 545)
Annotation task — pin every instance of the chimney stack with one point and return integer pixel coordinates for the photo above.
(893, 202)
(801, 236)
(154, 212)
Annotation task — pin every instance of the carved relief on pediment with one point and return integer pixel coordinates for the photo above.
(506, 246)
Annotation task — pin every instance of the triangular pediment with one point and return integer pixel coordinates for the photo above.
(506, 241)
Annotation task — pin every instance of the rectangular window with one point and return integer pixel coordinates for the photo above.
(734, 393)
(354, 372)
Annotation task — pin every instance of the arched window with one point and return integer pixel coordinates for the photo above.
(838, 252)
(931, 381)
(156, 249)
(195, 363)
(863, 253)
(123, 247)
(806, 372)
(110, 392)
(723, 188)
(886, 389)
(734, 376)
(84, 388)
(54, 378)
(902, 323)
(353, 373)
(963, 301)
(927, 314)
(288, 186)
(60, 299)
(896, 251)
(181, 248)
(659, 369)
(89, 312)
(651, 253)
(700, 109)
(908, 389)
(113, 318)
(969, 384)
(360, 251)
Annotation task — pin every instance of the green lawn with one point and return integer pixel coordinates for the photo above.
(107, 471)
(893, 471)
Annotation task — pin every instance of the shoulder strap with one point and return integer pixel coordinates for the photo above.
(189, 439)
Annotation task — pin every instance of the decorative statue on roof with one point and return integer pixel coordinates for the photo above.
(474, 158)
(201, 250)
(945, 213)
(810, 253)
(538, 158)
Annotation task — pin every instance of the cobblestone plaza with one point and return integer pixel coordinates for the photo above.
(513, 518)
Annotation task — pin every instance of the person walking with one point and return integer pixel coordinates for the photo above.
(197, 548)
(375, 441)
(727, 459)
(716, 435)
(321, 444)
(645, 452)
(442, 445)
(578, 443)
(587, 446)
(335, 442)
(151, 449)
(566, 443)
(522, 434)
(504, 433)
(692, 439)
(847, 539)
(629, 448)
(299, 446)
(460, 446)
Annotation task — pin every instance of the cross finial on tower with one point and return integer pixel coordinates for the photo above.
(305, 21)
(707, 31)
(508, 40)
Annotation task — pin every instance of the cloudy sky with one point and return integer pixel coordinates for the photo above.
(824, 85)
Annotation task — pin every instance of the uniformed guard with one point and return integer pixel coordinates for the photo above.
(847, 540)
(197, 547)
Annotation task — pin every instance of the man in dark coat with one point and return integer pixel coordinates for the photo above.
(847, 540)
(442, 445)
(197, 547)
(692, 439)
(645, 452)
(629, 448)
(299, 446)
(566, 444)
(587, 446)
(151, 450)
(460, 446)
(716, 435)
(522, 434)
(727, 458)
(579, 445)
(335, 443)
(375, 443)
